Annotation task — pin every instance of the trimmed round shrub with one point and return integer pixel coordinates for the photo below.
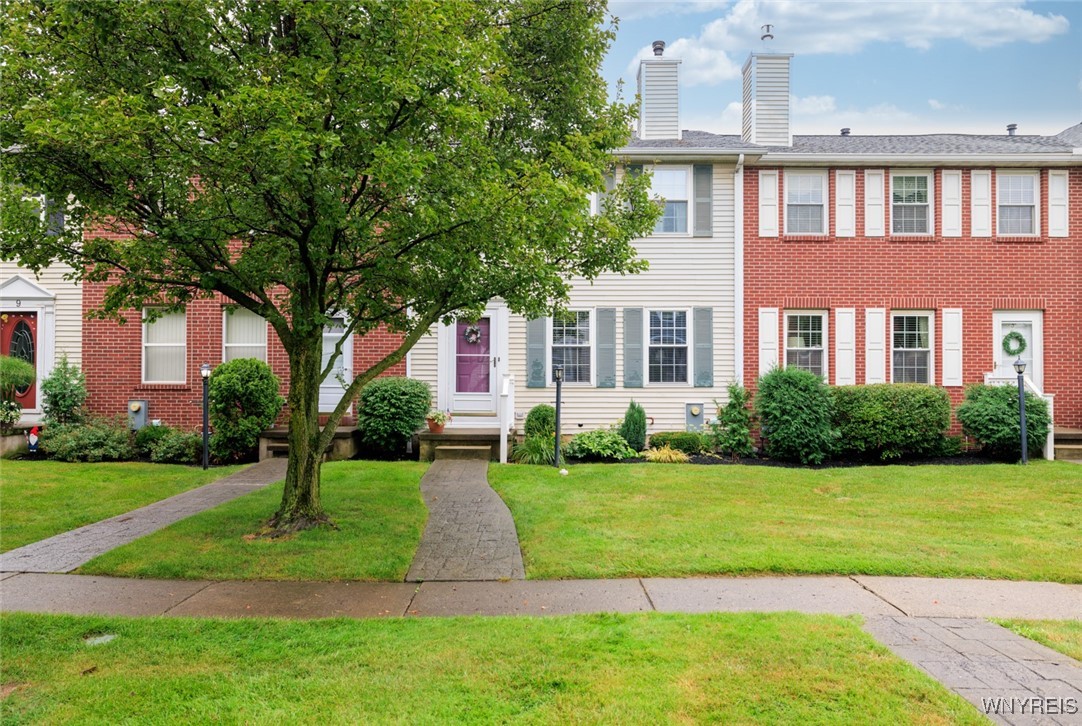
(390, 410)
(540, 421)
(600, 445)
(244, 401)
(795, 413)
(177, 447)
(15, 373)
(891, 420)
(990, 415)
(148, 436)
(633, 427)
(689, 442)
(64, 393)
(99, 439)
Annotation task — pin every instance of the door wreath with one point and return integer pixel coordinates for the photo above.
(1014, 344)
(472, 334)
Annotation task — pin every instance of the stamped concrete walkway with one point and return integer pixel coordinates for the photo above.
(470, 534)
(65, 552)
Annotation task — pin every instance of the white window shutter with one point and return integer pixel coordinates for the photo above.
(952, 346)
(845, 347)
(875, 345)
(845, 203)
(874, 201)
(980, 202)
(1057, 204)
(768, 203)
(768, 339)
(951, 197)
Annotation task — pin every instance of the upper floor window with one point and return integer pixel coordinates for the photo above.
(571, 346)
(673, 184)
(164, 348)
(244, 335)
(1016, 197)
(805, 342)
(911, 348)
(910, 203)
(668, 347)
(805, 202)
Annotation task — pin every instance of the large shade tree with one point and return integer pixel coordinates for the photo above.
(400, 162)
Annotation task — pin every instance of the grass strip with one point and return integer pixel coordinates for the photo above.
(1064, 636)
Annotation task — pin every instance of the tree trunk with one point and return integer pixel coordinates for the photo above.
(301, 506)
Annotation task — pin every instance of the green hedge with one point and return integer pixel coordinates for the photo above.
(795, 412)
(890, 420)
(990, 415)
(540, 421)
(390, 410)
(690, 442)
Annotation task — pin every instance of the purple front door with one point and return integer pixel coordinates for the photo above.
(473, 359)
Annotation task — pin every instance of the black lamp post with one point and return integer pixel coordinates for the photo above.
(1020, 369)
(204, 371)
(558, 374)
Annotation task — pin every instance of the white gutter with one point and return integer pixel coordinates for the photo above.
(821, 159)
(738, 270)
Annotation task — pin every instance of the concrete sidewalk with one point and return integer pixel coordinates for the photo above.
(65, 552)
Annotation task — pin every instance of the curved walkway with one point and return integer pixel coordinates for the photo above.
(470, 534)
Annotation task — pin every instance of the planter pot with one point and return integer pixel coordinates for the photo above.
(435, 428)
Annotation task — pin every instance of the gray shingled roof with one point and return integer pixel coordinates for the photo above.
(929, 144)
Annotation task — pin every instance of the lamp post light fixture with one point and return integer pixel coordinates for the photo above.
(204, 372)
(1020, 369)
(558, 374)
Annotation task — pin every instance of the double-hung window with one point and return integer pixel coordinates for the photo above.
(244, 334)
(911, 348)
(572, 346)
(805, 202)
(673, 185)
(1016, 197)
(164, 348)
(910, 203)
(805, 342)
(668, 348)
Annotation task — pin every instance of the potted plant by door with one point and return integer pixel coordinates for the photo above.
(437, 420)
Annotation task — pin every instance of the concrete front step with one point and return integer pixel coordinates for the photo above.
(470, 453)
(274, 443)
(488, 438)
(1069, 452)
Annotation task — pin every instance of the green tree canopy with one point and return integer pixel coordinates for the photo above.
(399, 162)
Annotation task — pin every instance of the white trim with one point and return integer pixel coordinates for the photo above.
(549, 383)
(143, 349)
(823, 176)
(952, 337)
(930, 205)
(845, 203)
(769, 204)
(689, 345)
(330, 388)
(980, 203)
(824, 317)
(225, 346)
(875, 219)
(930, 314)
(951, 203)
(1058, 203)
(768, 339)
(21, 295)
(875, 345)
(845, 346)
(1036, 320)
(738, 271)
(497, 312)
(1036, 177)
(689, 198)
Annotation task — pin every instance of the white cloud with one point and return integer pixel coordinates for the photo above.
(811, 105)
(847, 27)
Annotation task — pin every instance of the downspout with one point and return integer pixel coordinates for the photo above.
(738, 270)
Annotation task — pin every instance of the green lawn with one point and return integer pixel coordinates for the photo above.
(1062, 635)
(994, 521)
(39, 499)
(376, 505)
(648, 669)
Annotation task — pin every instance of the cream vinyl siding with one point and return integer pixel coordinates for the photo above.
(69, 305)
(658, 86)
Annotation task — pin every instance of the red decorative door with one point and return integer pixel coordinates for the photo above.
(19, 339)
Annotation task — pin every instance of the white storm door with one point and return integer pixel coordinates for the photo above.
(1030, 325)
(334, 385)
(474, 362)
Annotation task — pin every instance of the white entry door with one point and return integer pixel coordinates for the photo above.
(330, 392)
(472, 363)
(1030, 325)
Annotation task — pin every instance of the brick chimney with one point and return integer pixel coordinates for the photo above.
(659, 95)
(766, 100)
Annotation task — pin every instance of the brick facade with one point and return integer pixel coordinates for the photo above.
(979, 275)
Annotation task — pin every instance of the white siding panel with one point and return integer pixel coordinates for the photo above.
(980, 201)
(661, 102)
(768, 203)
(875, 345)
(952, 203)
(845, 347)
(874, 199)
(1058, 204)
(952, 346)
(845, 203)
(768, 339)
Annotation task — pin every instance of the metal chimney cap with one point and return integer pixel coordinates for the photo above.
(659, 47)
(1011, 128)
(845, 131)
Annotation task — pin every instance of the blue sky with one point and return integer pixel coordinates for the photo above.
(877, 67)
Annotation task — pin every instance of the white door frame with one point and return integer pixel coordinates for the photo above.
(1003, 364)
(497, 312)
(331, 387)
(19, 294)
